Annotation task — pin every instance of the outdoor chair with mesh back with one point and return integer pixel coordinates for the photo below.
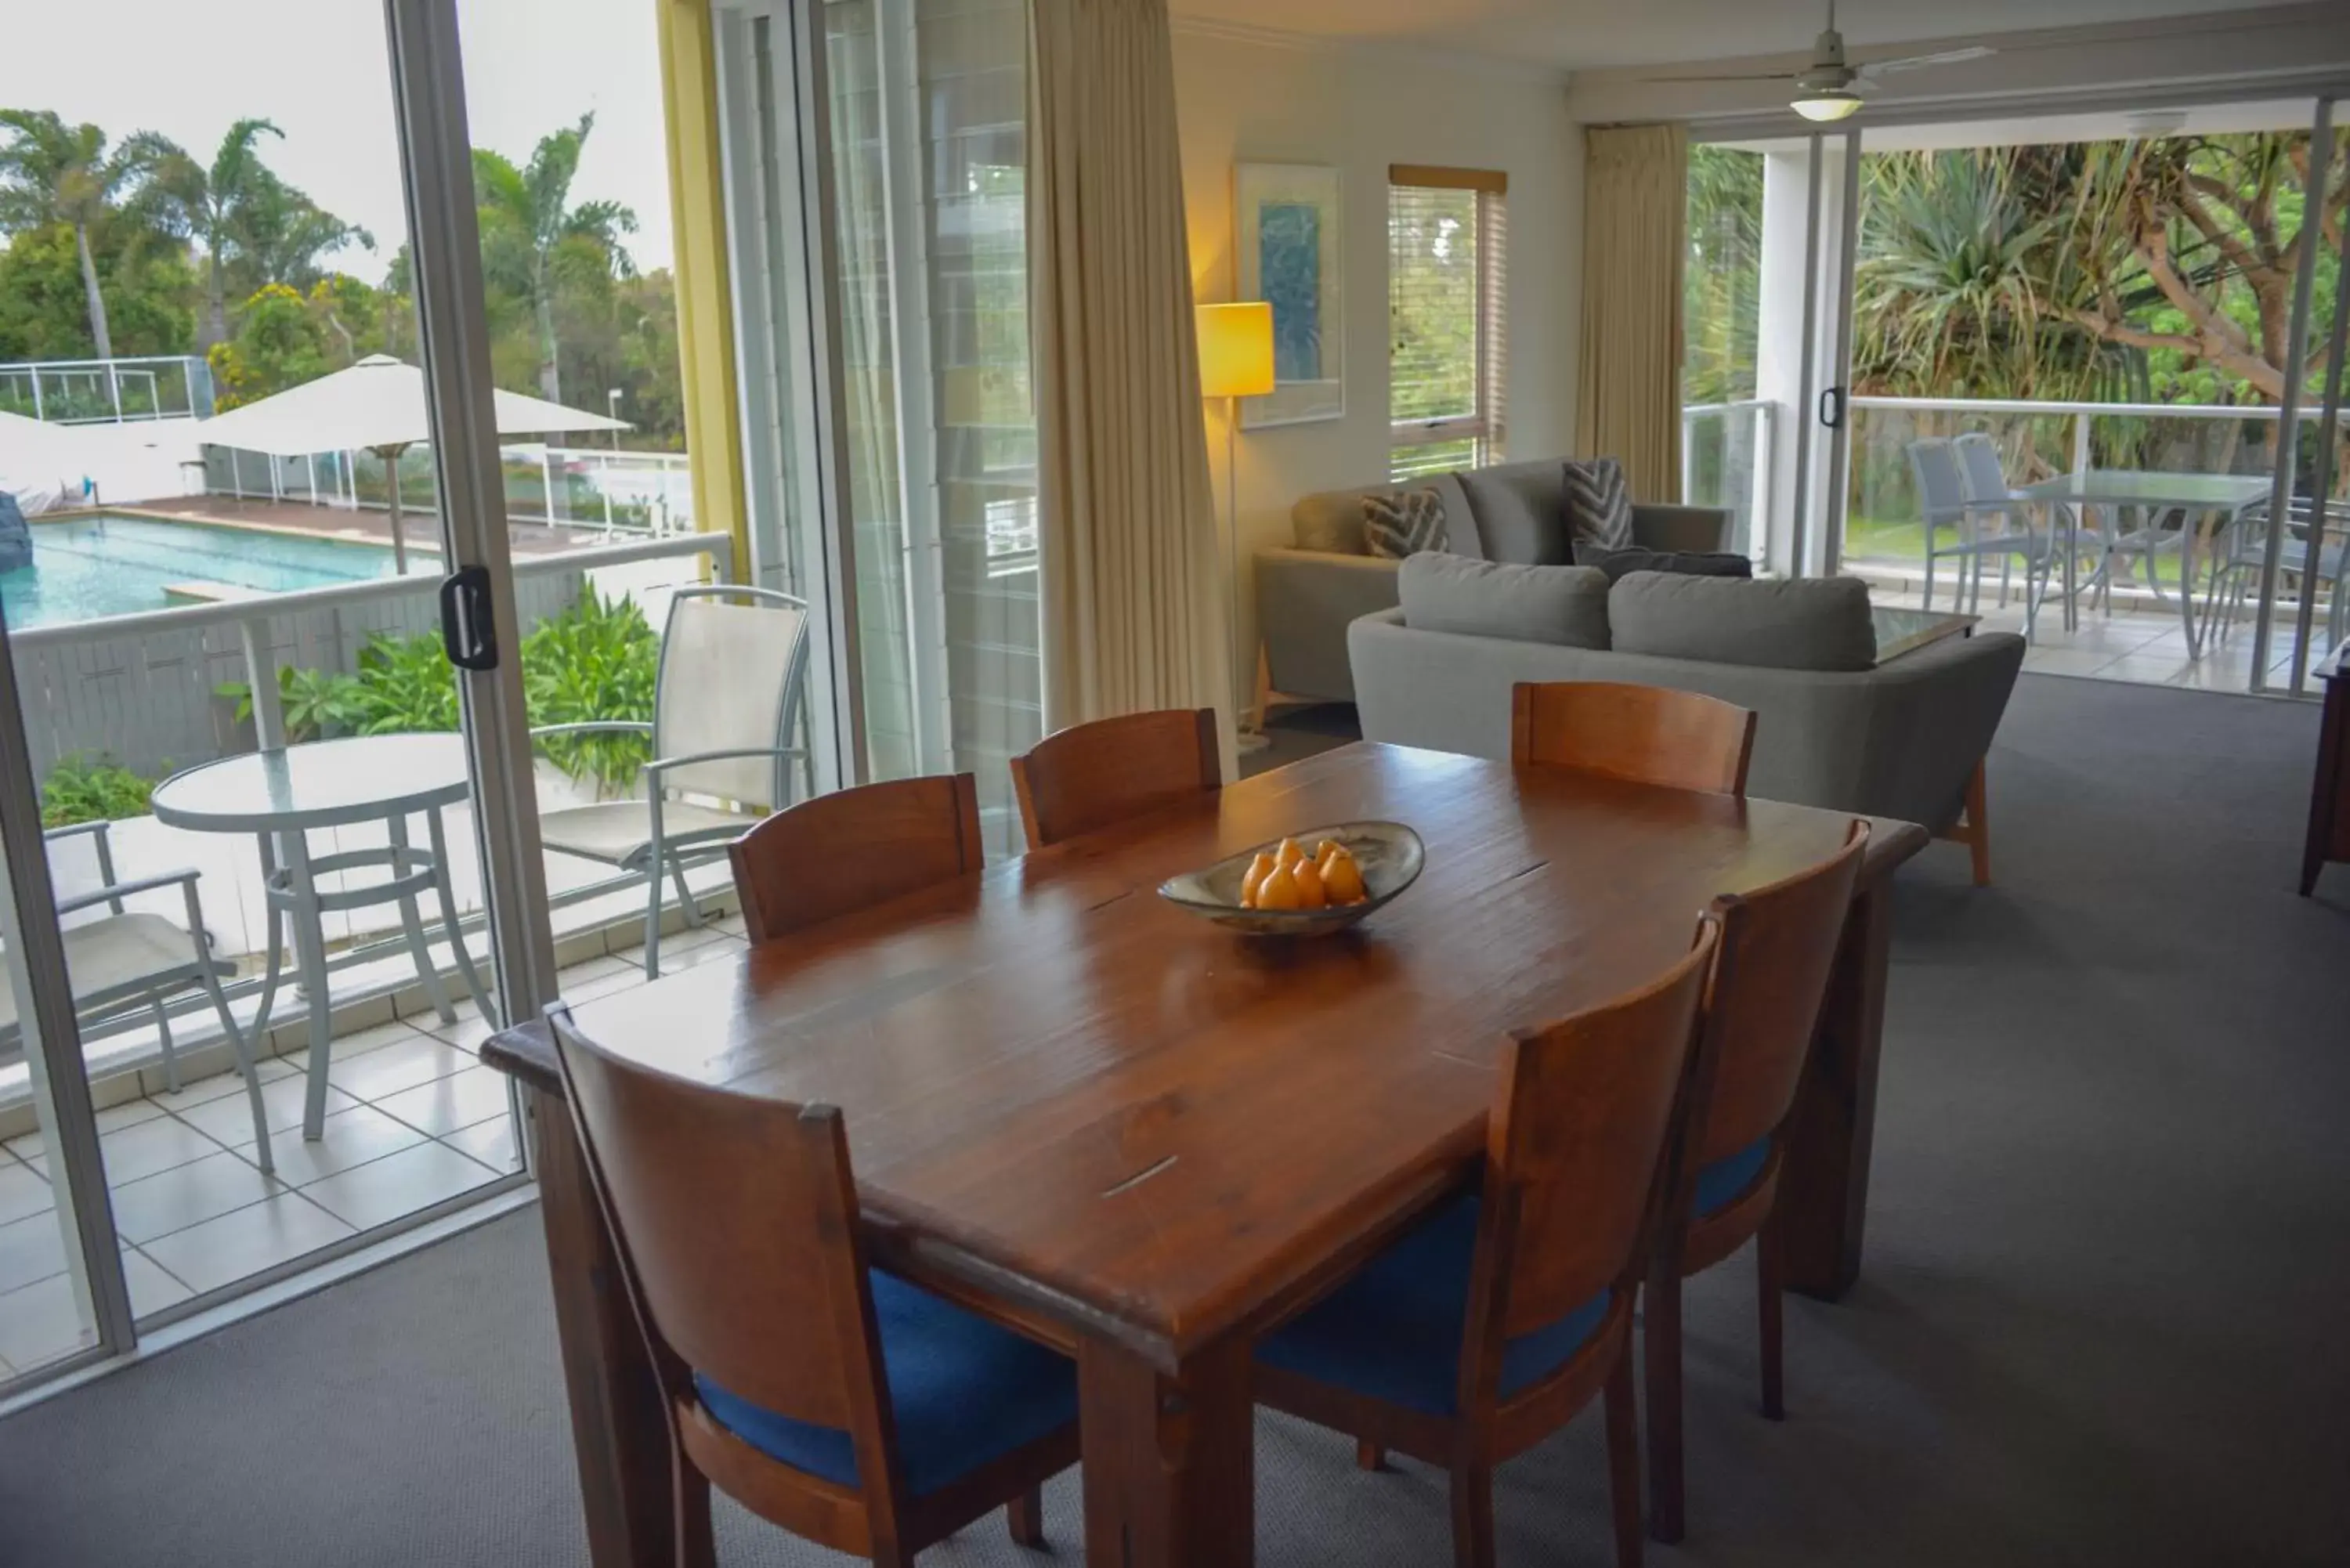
(725, 704)
(126, 963)
(1961, 487)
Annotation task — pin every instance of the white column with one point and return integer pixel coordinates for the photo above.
(1778, 343)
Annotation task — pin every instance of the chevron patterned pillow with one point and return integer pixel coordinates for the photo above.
(1405, 523)
(1598, 511)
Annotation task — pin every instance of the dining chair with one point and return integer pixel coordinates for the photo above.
(1644, 734)
(1762, 1009)
(828, 1396)
(855, 848)
(1958, 490)
(726, 701)
(1090, 775)
(1493, 1321)
(126, 963)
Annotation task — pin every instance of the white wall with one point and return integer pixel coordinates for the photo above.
(1362, 109)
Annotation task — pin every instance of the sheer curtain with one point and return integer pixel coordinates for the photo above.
(1627, 388)
(1134, 614)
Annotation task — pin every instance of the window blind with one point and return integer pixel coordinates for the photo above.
(1447, 366)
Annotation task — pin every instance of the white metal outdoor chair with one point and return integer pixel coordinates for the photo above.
(123, 963)
(1959, 485)
(2243, 549)
(724, 705)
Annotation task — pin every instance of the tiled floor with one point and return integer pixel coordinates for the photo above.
(413, 1119)
(2147, 646)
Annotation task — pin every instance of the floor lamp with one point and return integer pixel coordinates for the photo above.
(1236, 362)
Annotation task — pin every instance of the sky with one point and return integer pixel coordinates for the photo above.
(319, 68)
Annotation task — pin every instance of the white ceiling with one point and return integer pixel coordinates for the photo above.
(1586, 34)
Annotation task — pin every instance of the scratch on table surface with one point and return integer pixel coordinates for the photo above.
(1139, 1177)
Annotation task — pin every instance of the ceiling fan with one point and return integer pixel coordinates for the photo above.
(1828, 88)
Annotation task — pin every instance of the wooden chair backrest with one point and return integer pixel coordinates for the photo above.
(1646, 734)
(855, 848)
(735, 1220)
(1778, 944)
(1574, 1148)
(1090, 775)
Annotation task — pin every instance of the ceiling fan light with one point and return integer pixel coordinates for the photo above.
(1830, 105)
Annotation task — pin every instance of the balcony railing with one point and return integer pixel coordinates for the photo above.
(1726, 453)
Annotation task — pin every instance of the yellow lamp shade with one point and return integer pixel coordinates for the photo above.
(1235, 350)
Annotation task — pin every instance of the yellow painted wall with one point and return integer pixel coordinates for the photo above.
(705, 335)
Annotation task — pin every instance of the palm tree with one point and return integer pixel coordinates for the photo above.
(204, 202)
(535, 242)
(249, 220)
(53, 173)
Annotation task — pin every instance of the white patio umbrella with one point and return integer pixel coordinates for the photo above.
(376, 405)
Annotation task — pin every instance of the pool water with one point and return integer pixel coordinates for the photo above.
(105, 565)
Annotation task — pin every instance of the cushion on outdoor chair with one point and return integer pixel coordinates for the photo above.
(1394, 1331)
(118, 950)
(619, 832)
(964, 1392)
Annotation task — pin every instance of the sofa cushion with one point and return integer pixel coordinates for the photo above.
(1331, 521)
(1404, 523)
(1562, 605)
(1687, 563)
(1812, 623)
(1598, 507)
(1520, 508)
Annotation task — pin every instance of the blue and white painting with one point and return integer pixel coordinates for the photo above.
(1289, 269)
(1287, 232)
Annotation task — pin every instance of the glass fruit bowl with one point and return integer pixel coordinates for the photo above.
(1388, 855)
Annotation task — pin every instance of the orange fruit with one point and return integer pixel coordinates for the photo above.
(1289, 853)
(1257, 871)
(1308, 879)
(1342, 880)
(1279, 890)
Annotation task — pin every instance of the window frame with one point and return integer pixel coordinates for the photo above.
(1485, 425)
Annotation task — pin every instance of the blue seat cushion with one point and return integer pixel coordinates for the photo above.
(963, 1390)
(1729, 1177)
(1393, 1332)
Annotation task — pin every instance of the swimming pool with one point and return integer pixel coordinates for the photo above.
(107, 565)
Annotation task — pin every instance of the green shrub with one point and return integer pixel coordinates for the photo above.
(318, 703)
(80, 789)
(598, 659)
(405, 684)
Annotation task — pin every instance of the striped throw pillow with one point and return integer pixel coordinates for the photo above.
(1405, 523)
(1599, 510)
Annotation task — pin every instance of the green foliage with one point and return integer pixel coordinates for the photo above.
(277, 346)
(598, 659)
(85, 789)
(549, 258)
(405, 683)
(316, 703)
(1722, 281)
(148, 287)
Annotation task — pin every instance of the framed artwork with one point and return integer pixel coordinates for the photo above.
(1288, 240)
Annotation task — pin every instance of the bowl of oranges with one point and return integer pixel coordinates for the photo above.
(1323, 879)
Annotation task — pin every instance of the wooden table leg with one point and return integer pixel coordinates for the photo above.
(617, 1426)
(1170, 1460)
(1824, 1182)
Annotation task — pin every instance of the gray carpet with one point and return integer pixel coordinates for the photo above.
(2100, 1321)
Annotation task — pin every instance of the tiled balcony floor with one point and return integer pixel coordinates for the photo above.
(414, 1119)
(2146, 646)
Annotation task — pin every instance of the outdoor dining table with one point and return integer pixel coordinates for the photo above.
(1144, 1139)
(279, 796)
(2228, 496)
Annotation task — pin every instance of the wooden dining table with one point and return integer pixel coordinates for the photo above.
(1145, 1139)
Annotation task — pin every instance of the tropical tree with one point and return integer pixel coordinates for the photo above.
(254, 228)
(535, 243)
(51, 173)
(148, 289)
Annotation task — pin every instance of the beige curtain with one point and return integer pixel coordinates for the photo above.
(1628, 401)
(1134, 609)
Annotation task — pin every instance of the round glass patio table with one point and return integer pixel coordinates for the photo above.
(279, 796)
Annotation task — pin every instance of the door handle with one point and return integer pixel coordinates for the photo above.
(467, 631)
(1832, 407)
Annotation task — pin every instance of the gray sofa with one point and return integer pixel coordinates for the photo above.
(1899, 739)
(1512, 512)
